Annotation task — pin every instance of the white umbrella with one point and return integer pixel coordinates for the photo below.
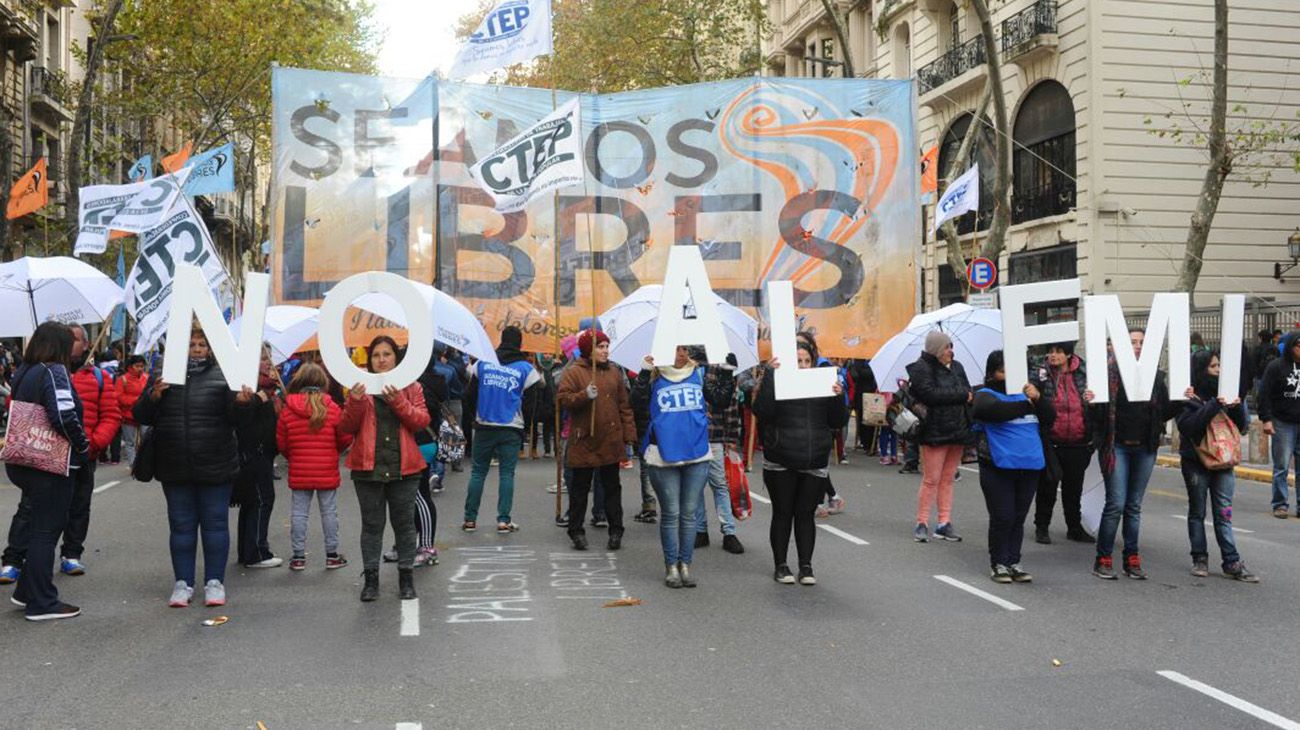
(35, 290)
(453, 323)
(630, 325)
(974, 332)
(287, 328)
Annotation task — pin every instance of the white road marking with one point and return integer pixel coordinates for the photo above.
(1256, 711)
(970, 469)
(107, 485)
(1210, 524)
(841, 533)
(759, 498)
(411, 619)
(977, 592)
(410, 725)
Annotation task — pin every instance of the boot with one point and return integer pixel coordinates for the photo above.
(615, 540)
(370, 591)
(579, 540)
(405, 584)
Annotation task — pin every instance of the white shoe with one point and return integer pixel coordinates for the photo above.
(551, 489)
(181, 595)
(214, 594)
(268, 563)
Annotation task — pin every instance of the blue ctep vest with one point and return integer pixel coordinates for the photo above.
(1014, 444)
(501, 391)
(679, 421)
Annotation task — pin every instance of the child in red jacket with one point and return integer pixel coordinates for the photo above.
(308, 436)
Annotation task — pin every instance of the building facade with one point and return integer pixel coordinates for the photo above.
(1096, 192)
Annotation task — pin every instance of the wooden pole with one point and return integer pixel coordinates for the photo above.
(555, 307)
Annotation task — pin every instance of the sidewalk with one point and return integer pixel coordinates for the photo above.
(1253, 472)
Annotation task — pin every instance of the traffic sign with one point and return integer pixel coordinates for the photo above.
(982, 273)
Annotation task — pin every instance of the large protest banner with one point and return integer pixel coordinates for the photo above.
(808, 180)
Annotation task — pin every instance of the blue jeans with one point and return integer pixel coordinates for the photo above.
(1285, 444)
(721, 495)
(1219, 486)
(502, 444)
(679, 489)
(1125, 488)
(888, 442)
(192, 509)
(438, 470)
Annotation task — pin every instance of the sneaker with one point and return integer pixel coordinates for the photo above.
(562, 521)
(1201, 568)
(956, 477)
(18, 603)
(63, 610)
(505, 528)
(806, 577)
(1078, 534)
(701, 540)
(946, 532)
(336, 561)
(921, 533)
(783, 575)
(731, 544)
(390, 555)
(9, 574)
(297, 563)
(1019, 575)
(909, 469)
(673, 578)
(426, 556)
(271, 562)
(1237, 571)
(1042, 536)
(647, 516)
(435, 486)
(1104, 567)
(599, 521)
(835, 505)
(1281, 513)
(551, 489)
(1133, 567)
(844, 461)
(884, 461)
(72, 566)
(182, 593)
(1000, 574)
(578, 540)
(468, 526)
(822, 513)
(214, 594)
(625, 464)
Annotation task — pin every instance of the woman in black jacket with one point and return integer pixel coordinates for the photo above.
(1202, 405)
(43, 379)
(797, 438)
(196, 459)
(939, 383)
(254, 489)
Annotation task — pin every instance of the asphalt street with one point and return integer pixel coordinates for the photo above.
(511, 631)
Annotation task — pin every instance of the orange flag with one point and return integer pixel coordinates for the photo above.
(174, 162)
(930, 170)
(30, 193)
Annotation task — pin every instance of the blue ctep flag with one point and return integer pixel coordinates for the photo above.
(214, 171)
(141, 170)
(119, 320)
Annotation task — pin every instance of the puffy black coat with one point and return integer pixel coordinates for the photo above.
(194, 429)
(945, 392)
(798, 434)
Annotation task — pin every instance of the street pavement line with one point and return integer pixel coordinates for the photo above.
(411, 618)
(970, 469)
(410, 725)
(759, 498)
(977, 592)
(1209, 523)
(107, 485)
(1256, 711)
(841, 533)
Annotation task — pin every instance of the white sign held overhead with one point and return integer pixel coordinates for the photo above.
(191, 299)
(419, 327)
(513, 31)
(1017, 338)
(1169, 319)
(542, 158)
(790, 382)
(1234, 315)
(687, 281)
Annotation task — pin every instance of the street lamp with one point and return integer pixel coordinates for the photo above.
(1292, 250)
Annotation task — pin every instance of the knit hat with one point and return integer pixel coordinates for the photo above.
(936, 341)
(585, 344)
(511, 336)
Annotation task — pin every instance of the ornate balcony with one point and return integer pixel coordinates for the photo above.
(18, 28)
(50, 93)
(1031, 32)
(951, 65)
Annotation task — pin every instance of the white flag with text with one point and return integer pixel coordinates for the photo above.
(513, 31)
(542, 158)
(962, 196)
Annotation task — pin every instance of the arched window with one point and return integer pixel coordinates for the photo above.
(1044, 157)
(982, 152)
(902, 51)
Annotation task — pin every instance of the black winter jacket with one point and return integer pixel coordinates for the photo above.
(945, 392)
(1279, 389)
(194, 428)
(798, 434)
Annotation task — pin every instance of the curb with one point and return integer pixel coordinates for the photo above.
(1242, 472)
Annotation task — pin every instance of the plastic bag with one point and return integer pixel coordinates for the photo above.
(742, 505)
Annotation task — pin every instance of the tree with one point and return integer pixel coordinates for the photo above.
(997, 235)
(81, 122)
(616, 45)
(948, 231)
(841, 26)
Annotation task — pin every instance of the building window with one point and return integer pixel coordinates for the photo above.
(1044, 157)
(981, 152)
(951, 290)
(1047, 264)
(902, 60)
(812, 63)
(828, 54)
(954, 26)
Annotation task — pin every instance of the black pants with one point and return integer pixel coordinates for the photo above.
(425, 512)
(609, 480)
(115, 448)
(74, 532)
(48, 497)
(795, 496)
(1008, 493)
(256, 501)
(1074, 462)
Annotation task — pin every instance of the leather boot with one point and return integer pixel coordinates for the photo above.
(405, 584)
(370, 591)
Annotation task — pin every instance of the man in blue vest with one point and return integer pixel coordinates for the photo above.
(498, 392)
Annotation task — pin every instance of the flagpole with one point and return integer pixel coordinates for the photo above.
(555, 297)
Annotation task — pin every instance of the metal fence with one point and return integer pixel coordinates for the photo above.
(1208, 321)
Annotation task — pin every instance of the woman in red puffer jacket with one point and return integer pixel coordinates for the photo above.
(308, 436)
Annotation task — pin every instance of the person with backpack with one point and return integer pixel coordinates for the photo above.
(938, 383)
(308, 434)
(1207, 417)
(1012, 457)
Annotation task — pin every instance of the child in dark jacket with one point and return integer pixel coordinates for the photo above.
(308, 436)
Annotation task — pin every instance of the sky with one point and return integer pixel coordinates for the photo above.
(418, 35)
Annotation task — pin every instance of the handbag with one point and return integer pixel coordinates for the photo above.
(429, 449)
(142, 469)
(1220, 448)
(451, 439)
(873, 409)
(32, 441)
(909, 419)
(742, 505)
